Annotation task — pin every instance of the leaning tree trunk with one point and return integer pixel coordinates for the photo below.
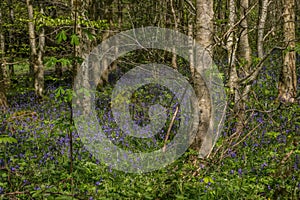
(287, 88)
(204, 37)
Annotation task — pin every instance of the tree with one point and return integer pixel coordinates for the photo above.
(204, 37)
(11, 37)
(36, 65)
(287, 88)
(3, 100)
(245, 52)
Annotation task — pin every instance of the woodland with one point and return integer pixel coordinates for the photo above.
(254, 153)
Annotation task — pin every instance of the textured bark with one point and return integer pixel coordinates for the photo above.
(32, 40)
(261, 27)
(3, 100)
(288, 81)
(36, 57)
(241, 94)
(75, 4)
(107, 14)
(81, 51)
(11, 37)
(39, 72)
(191, 44)
(245, 50)
(176, 21)
(231, 48)
(204, 32)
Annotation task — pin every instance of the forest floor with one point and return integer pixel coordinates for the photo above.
(261, 163)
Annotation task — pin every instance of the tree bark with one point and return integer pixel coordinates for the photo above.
(204, 37)
(36, 65)
(176, 21)
(32, 41)
(241, 94)
(3, 100)
(39, 73)
(261, 27)
(231, 48)
(287, 88)
(11, 38)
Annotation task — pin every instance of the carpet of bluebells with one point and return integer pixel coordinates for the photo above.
(261, 163)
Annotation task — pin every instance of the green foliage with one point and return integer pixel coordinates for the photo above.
(7, 140)
(61, 36)
(297, 48)
(74, 40)
(63, 95)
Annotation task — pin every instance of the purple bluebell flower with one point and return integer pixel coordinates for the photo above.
(240, 171)
(37, 188)
(98, 183)
(264, 165)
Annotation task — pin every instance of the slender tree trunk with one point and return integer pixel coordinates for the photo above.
(245, 50)
(176, 21)
(39, 73)
(36, 58)
(261, 27)
(241, 95)
(204, 37)
(11, 38)
(75, 5)
(3, 100)
(32, 40)
(191, 44)
(287, 89)
(231, 48)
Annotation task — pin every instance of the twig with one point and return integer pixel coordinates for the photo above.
(169, 129)
(287, 156)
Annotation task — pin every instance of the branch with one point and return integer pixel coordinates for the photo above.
(253, 75)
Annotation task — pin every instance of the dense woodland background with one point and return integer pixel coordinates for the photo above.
(255, 45)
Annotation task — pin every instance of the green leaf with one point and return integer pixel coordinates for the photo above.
(207, 180)
(51, 62)
(74, 40)
(61, 36)
(272, 134)
(7, 140)
(59, 92)
(64, 62)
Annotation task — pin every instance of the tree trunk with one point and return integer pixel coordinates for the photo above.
(39, 73)
(241, 94)
(11, 38)
(231, 48)
(191, 44)
(261, 27)
(204, 37)
(32, 40)
(176, 21)
(287, 88)
(75, 4)
(3, 100)
(37, 68)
